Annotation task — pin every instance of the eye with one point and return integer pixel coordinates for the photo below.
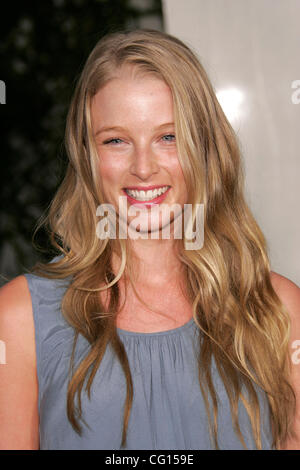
(170, 137)
(112, 141)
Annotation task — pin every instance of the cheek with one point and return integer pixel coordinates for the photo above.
(178, 175)
(105, 173)
(182, 187)
(108, 180)
(110, 172)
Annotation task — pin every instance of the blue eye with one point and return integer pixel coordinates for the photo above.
(115, 141)
(111, 141)
(169, 135)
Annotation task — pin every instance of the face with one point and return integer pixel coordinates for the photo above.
(133, 127)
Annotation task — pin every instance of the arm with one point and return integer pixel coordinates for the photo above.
(19, 420)
(289, 294)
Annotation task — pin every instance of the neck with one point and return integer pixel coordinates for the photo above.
(154, 262)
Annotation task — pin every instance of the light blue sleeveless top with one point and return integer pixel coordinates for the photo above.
(168, 410)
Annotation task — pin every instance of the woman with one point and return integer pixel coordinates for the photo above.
(138, 342)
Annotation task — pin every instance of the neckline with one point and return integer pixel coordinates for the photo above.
(157, 333)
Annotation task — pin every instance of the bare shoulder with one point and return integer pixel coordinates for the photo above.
(16, 316)
(18, 375)
(289, 294)
(15, 294)
(283, 282)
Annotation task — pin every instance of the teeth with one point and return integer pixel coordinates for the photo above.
(146, 195)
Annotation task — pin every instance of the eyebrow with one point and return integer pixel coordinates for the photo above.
(120, 128)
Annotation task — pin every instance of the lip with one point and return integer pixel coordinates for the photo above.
(157, 200)
(146, 188)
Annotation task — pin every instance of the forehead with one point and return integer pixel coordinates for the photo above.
(133, 96)
(127, 74)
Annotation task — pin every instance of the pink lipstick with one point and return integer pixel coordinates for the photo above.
(157, 200)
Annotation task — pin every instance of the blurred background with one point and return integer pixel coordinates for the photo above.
(43, 47)
(251, 53)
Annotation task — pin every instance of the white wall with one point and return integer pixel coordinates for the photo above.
(252, 48)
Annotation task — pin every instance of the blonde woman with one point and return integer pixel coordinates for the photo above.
(147, 342)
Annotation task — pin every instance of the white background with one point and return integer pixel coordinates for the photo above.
(253, 49)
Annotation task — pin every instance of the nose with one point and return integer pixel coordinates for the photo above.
(144, 163)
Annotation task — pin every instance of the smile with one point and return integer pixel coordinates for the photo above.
(145, 196)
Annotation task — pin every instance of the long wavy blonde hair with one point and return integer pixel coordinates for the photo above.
(244, 326)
